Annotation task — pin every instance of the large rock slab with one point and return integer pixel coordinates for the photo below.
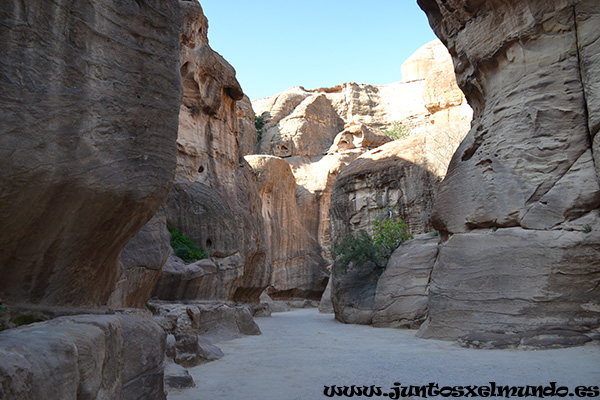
(85, 356)
(514, 281)
(402, 294)
(89, 106)
(528, 164)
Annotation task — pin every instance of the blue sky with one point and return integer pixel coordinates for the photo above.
(274, 45)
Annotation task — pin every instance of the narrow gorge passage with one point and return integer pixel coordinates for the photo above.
(301, 351)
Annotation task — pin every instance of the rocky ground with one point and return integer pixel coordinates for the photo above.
(302, 351)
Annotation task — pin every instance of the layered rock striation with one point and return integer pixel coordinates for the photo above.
(518, 210)
(89, 119)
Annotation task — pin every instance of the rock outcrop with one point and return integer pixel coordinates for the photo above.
(87, 142)
(402, 295)
(298, 266)
(519, 208)
(141, 263)
(84, 356)
(215, 198)
(320, 132)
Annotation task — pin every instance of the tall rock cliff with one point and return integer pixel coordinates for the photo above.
(215, 199)
(519, 208)
(320, 132)
(89, 105)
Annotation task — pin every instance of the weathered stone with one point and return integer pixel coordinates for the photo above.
(325, 305)
(358, 135)
(229, 233)
(215, 200)
(308, 131)
(353, 292)
(181, 281)
(192, 350)
(401, 299)
(514, 281)
(86, 356)
(247, 136)
(89, 118)
(298, 266)
(214, 322)
(141, 262)
(394, 179)
(177, 377)
(526, 165)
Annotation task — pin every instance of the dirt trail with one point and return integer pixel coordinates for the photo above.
(302, 351)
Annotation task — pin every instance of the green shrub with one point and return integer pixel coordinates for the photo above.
(184, 247)
(25, 319)
(259, 122)
(358, 248)
(362, 247)
(397, 131)
(587, 228)
(387, 236)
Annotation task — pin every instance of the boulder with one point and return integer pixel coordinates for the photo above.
(89, 106)
(325, 305)
(518, 210)
(181, 281)
(402, 294)
(177, 377)
(85, 356)
(353, 292)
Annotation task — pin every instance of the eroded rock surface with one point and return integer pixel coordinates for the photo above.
(87, 142)
(298, 266)
(527, 168)
(84, 356)
(402, 295)
(215, 199)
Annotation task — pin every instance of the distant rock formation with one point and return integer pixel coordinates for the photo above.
(215, 199)
(519, 209)
(320, 132)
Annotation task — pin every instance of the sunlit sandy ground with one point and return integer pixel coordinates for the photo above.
(301, 352)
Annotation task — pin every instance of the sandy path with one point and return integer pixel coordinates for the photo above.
(301, 351)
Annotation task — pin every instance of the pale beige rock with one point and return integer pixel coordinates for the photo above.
(526, 165)
(247, 137)
(215, 199)
(358, 135)
(298, 266)
(308, 130)
(89, 117)
(514, 281)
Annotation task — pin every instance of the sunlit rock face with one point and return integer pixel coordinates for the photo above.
(215, 199)
(89, 106)
(321, 132)
(518, 210)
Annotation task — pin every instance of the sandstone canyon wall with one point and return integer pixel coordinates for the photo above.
(215, 199)
(320, 132)
(519, 208)
(89, 103)
(87, 135)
